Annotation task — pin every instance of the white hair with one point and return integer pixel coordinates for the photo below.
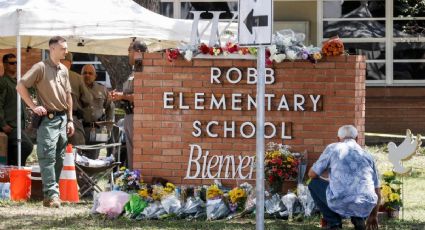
(347, 132)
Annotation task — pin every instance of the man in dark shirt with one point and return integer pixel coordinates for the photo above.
(8, 113)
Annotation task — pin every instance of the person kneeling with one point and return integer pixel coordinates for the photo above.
(353, 188)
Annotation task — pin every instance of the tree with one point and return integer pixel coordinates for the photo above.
(117, 66)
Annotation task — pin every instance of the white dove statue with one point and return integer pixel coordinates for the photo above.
(403, 152)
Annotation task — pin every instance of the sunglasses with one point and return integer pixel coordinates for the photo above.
(12, 63)
(89, 73)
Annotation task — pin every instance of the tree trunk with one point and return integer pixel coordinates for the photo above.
(117, 66)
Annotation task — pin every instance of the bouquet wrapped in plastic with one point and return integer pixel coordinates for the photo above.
(169, 200)
(305, 198)
(216, 207)
(134, 206)
(111, 203)
(289, 200)
(194, 208)
(153, 211)
(333, 47)
(274, 205)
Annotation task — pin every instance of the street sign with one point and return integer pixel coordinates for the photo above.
(255, 22)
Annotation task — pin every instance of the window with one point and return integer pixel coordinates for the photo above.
(181, 8)
(390, 33)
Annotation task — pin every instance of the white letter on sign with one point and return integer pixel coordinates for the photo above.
(215, 74)
(168, 99)
(195, 161)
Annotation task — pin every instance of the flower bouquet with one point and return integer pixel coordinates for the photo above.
(390, 193)
(280, 165)
(237, 199)
(216, 207)
(333, 47)
(127, 180)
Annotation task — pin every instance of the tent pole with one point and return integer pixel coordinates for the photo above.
(18, 77)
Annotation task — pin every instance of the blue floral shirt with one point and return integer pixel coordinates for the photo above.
(353, 177)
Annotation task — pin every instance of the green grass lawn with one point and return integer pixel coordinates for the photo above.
(31, 215)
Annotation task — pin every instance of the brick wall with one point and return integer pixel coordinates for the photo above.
(29, 58)
(392, 110)
(162, 136)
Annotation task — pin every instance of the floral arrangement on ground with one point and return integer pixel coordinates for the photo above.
(286, 45)
(391, 192)
(137, 200)
(280, 165)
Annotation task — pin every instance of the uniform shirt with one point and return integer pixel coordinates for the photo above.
(81, 96)
(8, 102)
(51, 83)
(100, 105)
(353, 177)
(128, 85)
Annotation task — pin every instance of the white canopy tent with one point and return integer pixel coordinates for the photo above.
(90, 26)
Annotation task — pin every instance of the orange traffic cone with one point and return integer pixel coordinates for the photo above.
(68, 186)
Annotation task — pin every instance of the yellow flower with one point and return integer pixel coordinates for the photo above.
(143, 193)
(169, 188)
(388, 174)
(123, 168)
(236, 194)
(394, 197)
(213, 191)
(385, 192)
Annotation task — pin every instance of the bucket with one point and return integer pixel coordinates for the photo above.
(20, 184)
(36, 184)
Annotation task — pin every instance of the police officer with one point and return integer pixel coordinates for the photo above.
(51, 81)
(101, 107)
(8, 113)
(135, 51)
(81, 97)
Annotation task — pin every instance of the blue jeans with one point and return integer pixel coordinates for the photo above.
(317, 189)
(51, 143)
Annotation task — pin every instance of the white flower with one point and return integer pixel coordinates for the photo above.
(225, 53)
(188, 55)
(395, 186)
(273, 50)
(278, 57)
(291, 55)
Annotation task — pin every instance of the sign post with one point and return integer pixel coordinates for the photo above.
(255, 29)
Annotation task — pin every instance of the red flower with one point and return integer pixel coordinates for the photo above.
(172, 54)
(271, 179)
(204, 48)
(268, 54)
(211, 50)
(268, 62)
(231, 48)
(280, 172)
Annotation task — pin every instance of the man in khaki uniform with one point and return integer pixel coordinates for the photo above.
(100, 109)
(51, 81)
(135, 53)
(81, 97)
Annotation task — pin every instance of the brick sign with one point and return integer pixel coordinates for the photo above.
(195, 121)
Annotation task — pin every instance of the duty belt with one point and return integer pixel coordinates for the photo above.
(53, 114)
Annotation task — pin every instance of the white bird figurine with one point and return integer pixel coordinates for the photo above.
(403, 152)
